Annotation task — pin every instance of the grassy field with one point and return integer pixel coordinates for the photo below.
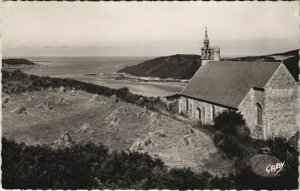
(41, 117)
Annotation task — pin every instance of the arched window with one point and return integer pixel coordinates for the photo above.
(259, 114)
(213, 112)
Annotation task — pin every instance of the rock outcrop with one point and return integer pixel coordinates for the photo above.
(65, 141)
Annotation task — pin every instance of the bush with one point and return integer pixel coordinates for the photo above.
(27, 82)
(278, 146)
(280, 149)
(42, 168)
(173, 97)
(246, 179)
(232, 136)
(229, 122)
(224, 183)
(90, 166)
(219, 138)
(81, 167)
(233, 140)
(183, 179)
(244, 131)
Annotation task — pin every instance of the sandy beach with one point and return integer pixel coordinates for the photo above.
(102, 71)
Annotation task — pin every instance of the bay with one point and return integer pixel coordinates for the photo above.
(90, 69)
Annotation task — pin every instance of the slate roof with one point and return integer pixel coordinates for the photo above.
(292, 66)
(226, 83)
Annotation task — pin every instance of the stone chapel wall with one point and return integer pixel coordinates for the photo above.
(199, 110)
(282, 109)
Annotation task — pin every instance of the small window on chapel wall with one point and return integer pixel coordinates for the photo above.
(187, 104)
(259, 114)
(213, 112)
(198, 110)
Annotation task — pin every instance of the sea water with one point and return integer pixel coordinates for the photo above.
(87, 69)
(68, 66)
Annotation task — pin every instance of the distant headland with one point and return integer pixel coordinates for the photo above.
(182, 66)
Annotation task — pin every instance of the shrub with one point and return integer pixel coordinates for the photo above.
(27, 82)
(173, 97)
(278, 146)
(246, 179)
(81, 167)
(183, 179)
(38, 167)
(219, 138)
(173, 107)
(224, 183)
(232, 136)
(236, 143)
(90, 166)
(229, 122)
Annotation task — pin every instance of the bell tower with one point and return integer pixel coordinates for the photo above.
(206, 50)
(206, 40)
(209, 53)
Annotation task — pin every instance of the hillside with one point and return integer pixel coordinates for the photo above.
(288, 53)
(74, 135)
(264, 58)
(182, 66)
(16, 62)
(57, 112)
(177, 66)
(267, 58)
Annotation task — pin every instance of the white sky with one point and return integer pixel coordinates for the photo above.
(147, 28)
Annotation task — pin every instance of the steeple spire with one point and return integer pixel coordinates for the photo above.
(206, 40)
(208, 52)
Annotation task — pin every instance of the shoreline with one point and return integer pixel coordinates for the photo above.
(147, 86)
(126, 76)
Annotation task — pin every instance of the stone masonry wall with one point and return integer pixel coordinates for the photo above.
(248, 109)
(281, 102)
(279, 107)
(195, 106)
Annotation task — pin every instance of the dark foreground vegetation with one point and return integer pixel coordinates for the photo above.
(16, 82)
(232, 138)
(92, 166)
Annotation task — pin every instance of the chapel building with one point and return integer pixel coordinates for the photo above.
(265, 93)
